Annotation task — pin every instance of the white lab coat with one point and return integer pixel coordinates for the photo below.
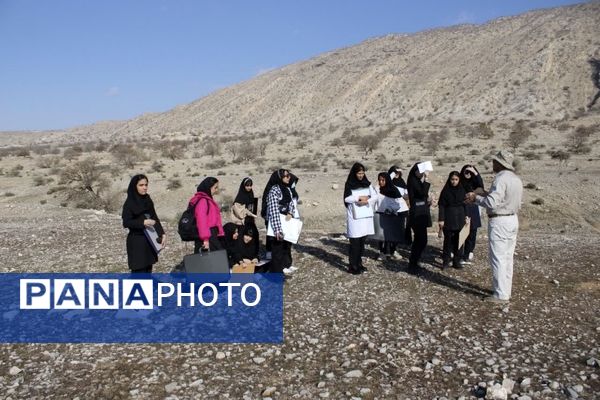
(357, 228)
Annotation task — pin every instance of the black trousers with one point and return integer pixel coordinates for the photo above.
(451, 246)
(357, 250)
(470, 242)
(268, 239)
(418, 244)
(281, 255)
(214, 242)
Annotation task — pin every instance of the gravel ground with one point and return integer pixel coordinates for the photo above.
(385, 334)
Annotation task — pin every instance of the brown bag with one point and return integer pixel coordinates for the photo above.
(240, 268)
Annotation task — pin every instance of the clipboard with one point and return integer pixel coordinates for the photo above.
(291, 229)
(464, 234)
(152, 237)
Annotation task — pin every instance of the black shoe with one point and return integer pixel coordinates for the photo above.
(355, 271)
(457, 266)
(362, 268)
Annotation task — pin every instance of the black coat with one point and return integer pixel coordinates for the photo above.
(140, 253)
(418, 194)
(452, 209)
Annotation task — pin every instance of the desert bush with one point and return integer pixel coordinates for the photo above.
(15, 171)
(532, 155)
(43, 201)
(367, 143)
(39, 181)
(577, 141)
(532, 186)
(212, 148)
(9, 194)
(475, 152)
(560, 155)
(216, 164)
(482, 130)
(72, 153)
(337, 142)
(174, 149)
(538, 202)
(305, 162)
(126, 154)
(84, 183)
(174, 184)
(48, 162)
(157, 166)
(518, 135)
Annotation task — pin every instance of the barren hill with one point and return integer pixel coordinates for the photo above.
(533, 66)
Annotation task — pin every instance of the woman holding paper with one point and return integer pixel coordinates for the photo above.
(139, 214)
(280, 205)
(452, 218)
(472, 182)
(359, 199)
(396, 175)
(419, 214)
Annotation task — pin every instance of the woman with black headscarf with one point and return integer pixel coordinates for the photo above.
(358, 193)
(419, 214)
(396, 174)
(273, 180)
(387, 213)
(451, 218)
(138, 214)
(208, 216)
(280, 202)
(244, 209)
(471, 181)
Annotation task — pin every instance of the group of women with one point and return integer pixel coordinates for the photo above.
(402, 211)
(239, 237)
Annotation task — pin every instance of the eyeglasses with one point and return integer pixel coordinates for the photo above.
(286, 176)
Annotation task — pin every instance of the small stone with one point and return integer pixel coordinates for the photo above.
(354, 374)
(416, 369)
(171, 387)
(447, 368)
(593, 362)
(335, 186)
(324, 395)
(525, 382)
(258, 360)
(14, 371)
(496, 392)
(571, 393)
(436, 361)
(509, 385)
(365, 391)
(330, 375)
(269, 391)
(524, 397)
(196, 383)
(578, 388)
(220, 355)
(490, 362)
(554, 385)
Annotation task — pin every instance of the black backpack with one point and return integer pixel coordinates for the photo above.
(187, 227)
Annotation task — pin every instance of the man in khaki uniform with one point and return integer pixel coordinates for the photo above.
(502, 204)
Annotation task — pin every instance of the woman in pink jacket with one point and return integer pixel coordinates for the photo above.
(208, 216)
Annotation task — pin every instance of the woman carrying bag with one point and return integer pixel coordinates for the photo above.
(208, 216)
(139, 214)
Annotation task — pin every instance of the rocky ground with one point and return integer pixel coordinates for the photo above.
(386, 334)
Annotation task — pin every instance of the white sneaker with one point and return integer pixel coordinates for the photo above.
(287, 271)
(470, 256)
(396, 256)
(293, 269)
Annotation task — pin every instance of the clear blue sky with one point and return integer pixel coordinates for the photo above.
(70, 62)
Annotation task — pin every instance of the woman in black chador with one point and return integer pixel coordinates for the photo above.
(138, 213)
(471, 181)
(452, 218)
(419, 214)
(243, 211)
